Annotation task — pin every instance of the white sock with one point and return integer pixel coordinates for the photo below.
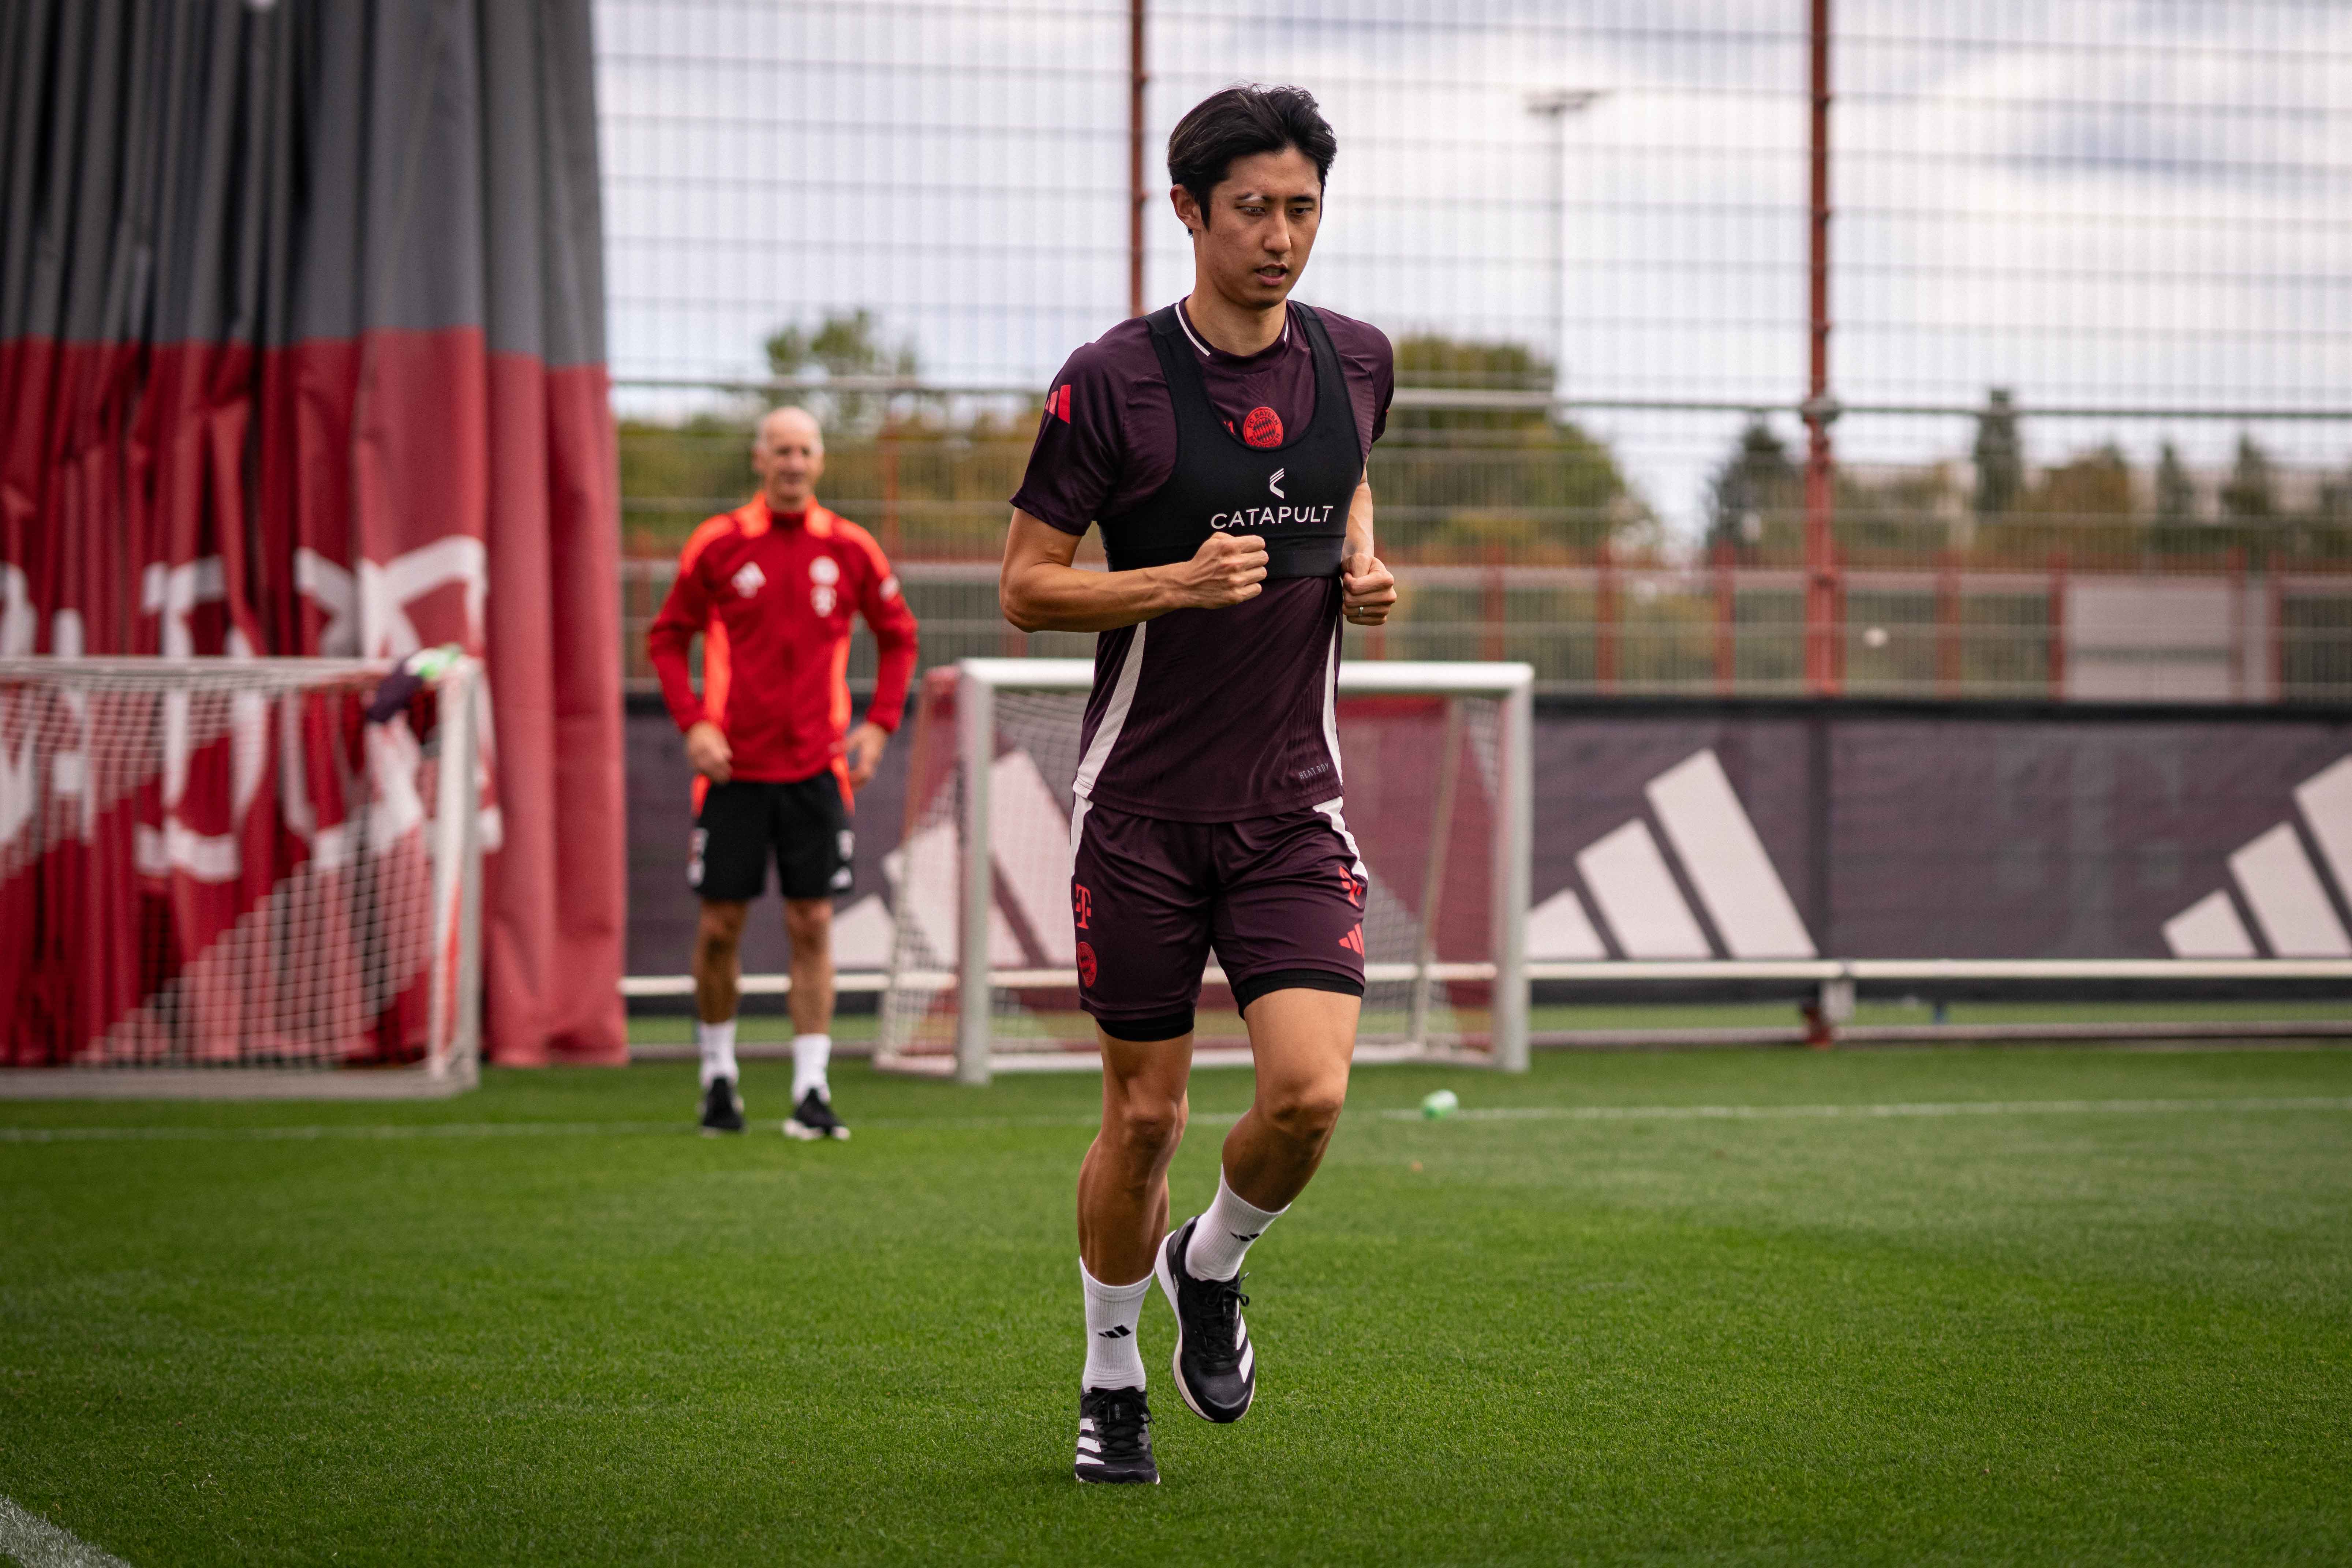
(718, 1042)
(1112, 1358)
(810, 1053)
(1225, 1234)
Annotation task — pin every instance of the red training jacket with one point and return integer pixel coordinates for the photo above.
(772, 595)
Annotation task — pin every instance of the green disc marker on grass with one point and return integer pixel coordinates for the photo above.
(1439, 1102)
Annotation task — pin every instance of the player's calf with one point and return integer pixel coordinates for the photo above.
(1303, 1038)
(718, 934)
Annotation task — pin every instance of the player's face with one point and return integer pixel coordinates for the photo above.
(789, 457)
(1260, 225)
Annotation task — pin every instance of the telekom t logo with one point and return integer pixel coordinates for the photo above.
(1082, 904)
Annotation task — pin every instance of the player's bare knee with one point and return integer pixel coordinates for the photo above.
(1304, 1112)
(1146, 1126)
(719, 932)
(808, 923)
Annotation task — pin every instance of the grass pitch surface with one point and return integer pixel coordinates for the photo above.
(546, 1323)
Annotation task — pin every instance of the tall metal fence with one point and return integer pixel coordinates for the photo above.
(2087, 332)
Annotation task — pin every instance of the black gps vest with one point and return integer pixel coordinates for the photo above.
(1294, 496)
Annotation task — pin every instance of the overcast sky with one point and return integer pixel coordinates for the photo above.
(2118, 203)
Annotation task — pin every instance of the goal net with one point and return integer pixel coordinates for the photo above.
(982, 973)
(227, 875)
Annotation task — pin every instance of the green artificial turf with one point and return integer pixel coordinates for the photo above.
(2094, 1335)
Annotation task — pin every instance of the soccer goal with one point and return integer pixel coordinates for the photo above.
(238, 877)
(982, 973)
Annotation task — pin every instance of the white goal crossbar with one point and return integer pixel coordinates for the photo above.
(980, 971)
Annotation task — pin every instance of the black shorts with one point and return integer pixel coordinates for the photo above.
(1281, 899)
(803, 825)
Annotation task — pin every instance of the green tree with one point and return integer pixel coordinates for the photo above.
(2176, 492)
(2095, 484)
(2083, 507)
(2250, 495)
(1905, 513)
(840, 345)
(1758, 485)
(673, 475)
(1999, 455)
(2335, 508)
(1518, 478)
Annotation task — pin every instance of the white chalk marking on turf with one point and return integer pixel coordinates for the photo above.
(1947, 1108)
(305, 1134)
(395, 1130)
(36, 1543)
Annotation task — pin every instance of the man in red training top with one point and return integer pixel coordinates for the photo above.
(770, 587)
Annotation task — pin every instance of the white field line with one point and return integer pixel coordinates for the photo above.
(1822, 1112)
(460, 1129)
(680, 1128)
(36, 1543)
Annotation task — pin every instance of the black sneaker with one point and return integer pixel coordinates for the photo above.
(815, 1118)
(1217, 1370)
(1115, 1437)
(722, 1108)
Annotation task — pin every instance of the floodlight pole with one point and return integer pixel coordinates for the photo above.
(1135, 194)
(1554, 106)
(1824, 636)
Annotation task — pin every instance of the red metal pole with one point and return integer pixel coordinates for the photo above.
(1837, 617)
(1727, 614)
(1604, 589)
(2238, 623)
(893, 544)
(2057, 616)
(1822, 632)
(1947, 626)
(1135, 196)
(1497, 606)
(2277, 634)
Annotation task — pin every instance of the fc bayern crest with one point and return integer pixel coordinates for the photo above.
(1262, 427)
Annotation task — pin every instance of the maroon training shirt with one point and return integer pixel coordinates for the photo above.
(1106, 442)
(1108, 436)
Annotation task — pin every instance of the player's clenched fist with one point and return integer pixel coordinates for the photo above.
(1227, 569)
(1368, 590)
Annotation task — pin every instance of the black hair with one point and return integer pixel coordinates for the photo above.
(1240, 123)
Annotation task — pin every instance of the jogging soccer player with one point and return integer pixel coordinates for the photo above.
(770, 587)
(1220, 443)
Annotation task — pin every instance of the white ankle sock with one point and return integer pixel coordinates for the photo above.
(1225, 1234)
(810, 1053)
(1112, 1358)
(717, 1044)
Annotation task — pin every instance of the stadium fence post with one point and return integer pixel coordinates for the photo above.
(976, 728)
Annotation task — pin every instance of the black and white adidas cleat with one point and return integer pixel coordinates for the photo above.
(722, 1108)
(813, 1118)
(1115, 1439)
(1216, 1369)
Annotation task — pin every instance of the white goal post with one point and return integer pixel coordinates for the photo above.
(223, 877)
(1438, 788)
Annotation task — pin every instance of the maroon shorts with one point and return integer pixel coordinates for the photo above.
(1280, 898)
